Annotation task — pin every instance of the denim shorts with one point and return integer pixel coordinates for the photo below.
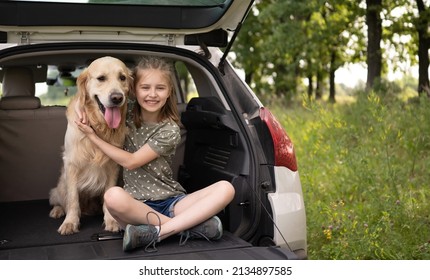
(166, 206)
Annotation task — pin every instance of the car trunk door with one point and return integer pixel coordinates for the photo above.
(168, 22)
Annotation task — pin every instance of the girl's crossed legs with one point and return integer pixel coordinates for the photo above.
(192, 210)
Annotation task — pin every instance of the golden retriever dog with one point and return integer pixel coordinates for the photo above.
(87, 172)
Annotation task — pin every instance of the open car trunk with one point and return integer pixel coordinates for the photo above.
(28, 232)
(212, 148)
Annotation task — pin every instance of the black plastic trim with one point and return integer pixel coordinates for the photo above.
(21, 13)
(215, 38)
(3, 37)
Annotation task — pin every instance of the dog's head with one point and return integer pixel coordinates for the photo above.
(103, 88)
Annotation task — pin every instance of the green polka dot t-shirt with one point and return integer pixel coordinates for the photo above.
(153, 181)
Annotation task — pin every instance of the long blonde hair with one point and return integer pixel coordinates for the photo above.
(170, 110)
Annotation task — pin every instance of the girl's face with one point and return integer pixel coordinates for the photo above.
(152, 91)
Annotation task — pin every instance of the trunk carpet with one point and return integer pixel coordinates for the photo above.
(27, 232)
(27, 224)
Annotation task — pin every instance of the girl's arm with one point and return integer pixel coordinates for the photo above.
(128, 160)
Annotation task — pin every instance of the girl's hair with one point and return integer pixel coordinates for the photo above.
(169, 110)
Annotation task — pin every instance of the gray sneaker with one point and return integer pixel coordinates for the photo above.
(209, 230)
(139, 236)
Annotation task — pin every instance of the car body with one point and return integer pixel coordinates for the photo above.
(228, 133)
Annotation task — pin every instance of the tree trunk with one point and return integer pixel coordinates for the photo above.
(319, 87)
(374, 36)
(310, 87)
(423, 47)
(248, 77)
(332, 94)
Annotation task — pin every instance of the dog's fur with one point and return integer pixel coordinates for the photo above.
(87, 172)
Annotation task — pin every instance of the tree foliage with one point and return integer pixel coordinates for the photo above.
(289, 47)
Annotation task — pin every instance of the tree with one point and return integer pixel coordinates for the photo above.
(340, 26)
(422, 25)
(409, 36)
(284, 42)
(374, 36)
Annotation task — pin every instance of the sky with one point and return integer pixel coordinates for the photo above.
(352, 74)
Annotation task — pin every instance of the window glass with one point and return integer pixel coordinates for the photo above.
(59, 86)
(188, 87)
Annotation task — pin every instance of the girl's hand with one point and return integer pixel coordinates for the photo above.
(86, 129)
(82, 116)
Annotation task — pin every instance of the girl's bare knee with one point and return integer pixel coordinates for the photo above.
(227, 189)
(112, 197)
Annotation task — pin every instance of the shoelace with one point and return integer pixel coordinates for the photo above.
(154, 240)
(188, 234)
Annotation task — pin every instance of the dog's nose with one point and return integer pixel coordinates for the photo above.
(116, 98)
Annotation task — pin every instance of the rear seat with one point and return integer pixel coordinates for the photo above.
(31, 139)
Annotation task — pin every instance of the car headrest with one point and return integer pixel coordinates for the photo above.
(18, 81)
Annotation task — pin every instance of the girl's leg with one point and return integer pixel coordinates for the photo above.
(136, 218)
(190, 211)
(127, 210)
(197, 207)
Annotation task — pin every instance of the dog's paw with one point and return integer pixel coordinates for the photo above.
(111, 225)
(68, 228)
(57, 212)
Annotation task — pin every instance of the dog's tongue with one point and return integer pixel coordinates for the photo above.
(112, 117)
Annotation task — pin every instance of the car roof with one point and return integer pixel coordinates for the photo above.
(150, 21)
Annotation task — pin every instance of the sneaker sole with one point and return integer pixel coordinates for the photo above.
(220, 229)
(126, 239)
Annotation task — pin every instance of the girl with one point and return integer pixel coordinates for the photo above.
(152, 206)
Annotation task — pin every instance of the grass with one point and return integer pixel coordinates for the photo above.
(365, 173)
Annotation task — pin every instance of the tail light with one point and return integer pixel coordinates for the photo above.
(283, 146)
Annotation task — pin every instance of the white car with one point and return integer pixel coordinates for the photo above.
(228, 133)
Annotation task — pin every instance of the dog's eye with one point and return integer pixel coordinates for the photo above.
(122, 77)
(101, 78)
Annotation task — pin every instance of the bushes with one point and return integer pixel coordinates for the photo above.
(364, 168)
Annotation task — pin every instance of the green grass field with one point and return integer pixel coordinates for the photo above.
(365, 173)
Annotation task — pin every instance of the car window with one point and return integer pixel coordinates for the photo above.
(186, 82)
(59, 87)
(54, 95)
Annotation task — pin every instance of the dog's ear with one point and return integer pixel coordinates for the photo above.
(82, 89)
